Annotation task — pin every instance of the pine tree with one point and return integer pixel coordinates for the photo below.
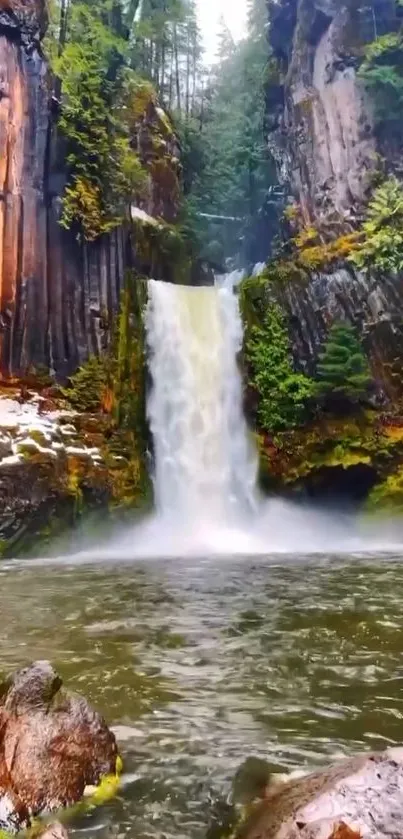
(237, 169)
(226, 44)
(343, 372)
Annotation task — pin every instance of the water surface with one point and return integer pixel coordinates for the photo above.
(200, 663)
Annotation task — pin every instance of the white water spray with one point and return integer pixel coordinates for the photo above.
(205, 463)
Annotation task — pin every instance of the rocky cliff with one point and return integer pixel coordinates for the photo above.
(321, 130)
(58, 293)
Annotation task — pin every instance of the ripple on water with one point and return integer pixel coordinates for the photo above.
(201, 665)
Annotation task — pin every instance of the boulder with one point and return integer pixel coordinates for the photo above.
(52, 745)
(358, 797)
(52, 831)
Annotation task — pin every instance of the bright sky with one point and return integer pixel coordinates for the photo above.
(210, 11)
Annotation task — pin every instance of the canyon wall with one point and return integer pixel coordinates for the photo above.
(321, 132)
(58, 294)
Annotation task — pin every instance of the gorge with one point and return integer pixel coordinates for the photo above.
(201, 416)
(285, 158)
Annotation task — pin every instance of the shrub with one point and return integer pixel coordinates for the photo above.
(382, 73)
(283, 393)
(87, 386)
(382, 230)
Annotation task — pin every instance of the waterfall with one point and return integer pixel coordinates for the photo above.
(205, 464)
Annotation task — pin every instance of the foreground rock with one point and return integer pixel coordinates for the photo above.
(53, 744)
(362, 796)
(53, 831)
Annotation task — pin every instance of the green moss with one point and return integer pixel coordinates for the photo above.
(38, 436)
(113, 390)
(162, 251)
(292, 457)
(86, 388)
(387, 497)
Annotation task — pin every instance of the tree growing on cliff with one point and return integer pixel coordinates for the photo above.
(283, 394)
(382, 241)
(382, 73)
(343, 374)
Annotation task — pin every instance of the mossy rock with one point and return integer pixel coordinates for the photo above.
(387, 497)
(295, 459)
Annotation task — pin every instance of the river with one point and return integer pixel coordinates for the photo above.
(200, 663)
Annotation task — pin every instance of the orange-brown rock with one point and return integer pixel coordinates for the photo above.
(58, 831)
(53, 744)
(58, 295)
(359, 795)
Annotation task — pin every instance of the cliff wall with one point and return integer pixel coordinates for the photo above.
(58, 293)
(322, 132)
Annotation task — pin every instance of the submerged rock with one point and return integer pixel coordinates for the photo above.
(53, 745)
(361, 796)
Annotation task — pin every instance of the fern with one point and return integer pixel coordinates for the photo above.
(382, 244)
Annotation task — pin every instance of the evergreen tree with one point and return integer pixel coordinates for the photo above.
(236, 169)
(167, 50)
(343, 372)
(226, 43)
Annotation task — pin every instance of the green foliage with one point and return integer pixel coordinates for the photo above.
(115, 386)
(382, 73)
(166, 47)
(227, 166)
(87, 386)
(283, 393)
(387, 496)
(343, 372)
(105, 172)
(382, 245)
(163, 251)
(129, 376)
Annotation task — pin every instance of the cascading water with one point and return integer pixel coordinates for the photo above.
(204, 460)
(205, 464)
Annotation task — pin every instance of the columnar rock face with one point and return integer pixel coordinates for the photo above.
(58, 295)
(373, 304)
(325, 131)
(23, 142)
(321, 131)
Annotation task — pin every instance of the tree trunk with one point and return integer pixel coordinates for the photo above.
(177, 76)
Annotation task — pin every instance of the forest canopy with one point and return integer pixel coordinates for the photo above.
(102, 49)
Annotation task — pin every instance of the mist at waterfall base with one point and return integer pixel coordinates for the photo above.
(204, 459)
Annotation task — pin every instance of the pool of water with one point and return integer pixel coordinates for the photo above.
(202, 663)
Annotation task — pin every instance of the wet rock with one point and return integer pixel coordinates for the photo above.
(53, 831)
(53, 745)
(361, 796)
(325, 138)
(5, 445)
(251, 780)
(372, 304)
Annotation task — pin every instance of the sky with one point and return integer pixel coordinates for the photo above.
(210, 11)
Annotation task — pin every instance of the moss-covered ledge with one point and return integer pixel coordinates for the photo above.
(358, 457)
